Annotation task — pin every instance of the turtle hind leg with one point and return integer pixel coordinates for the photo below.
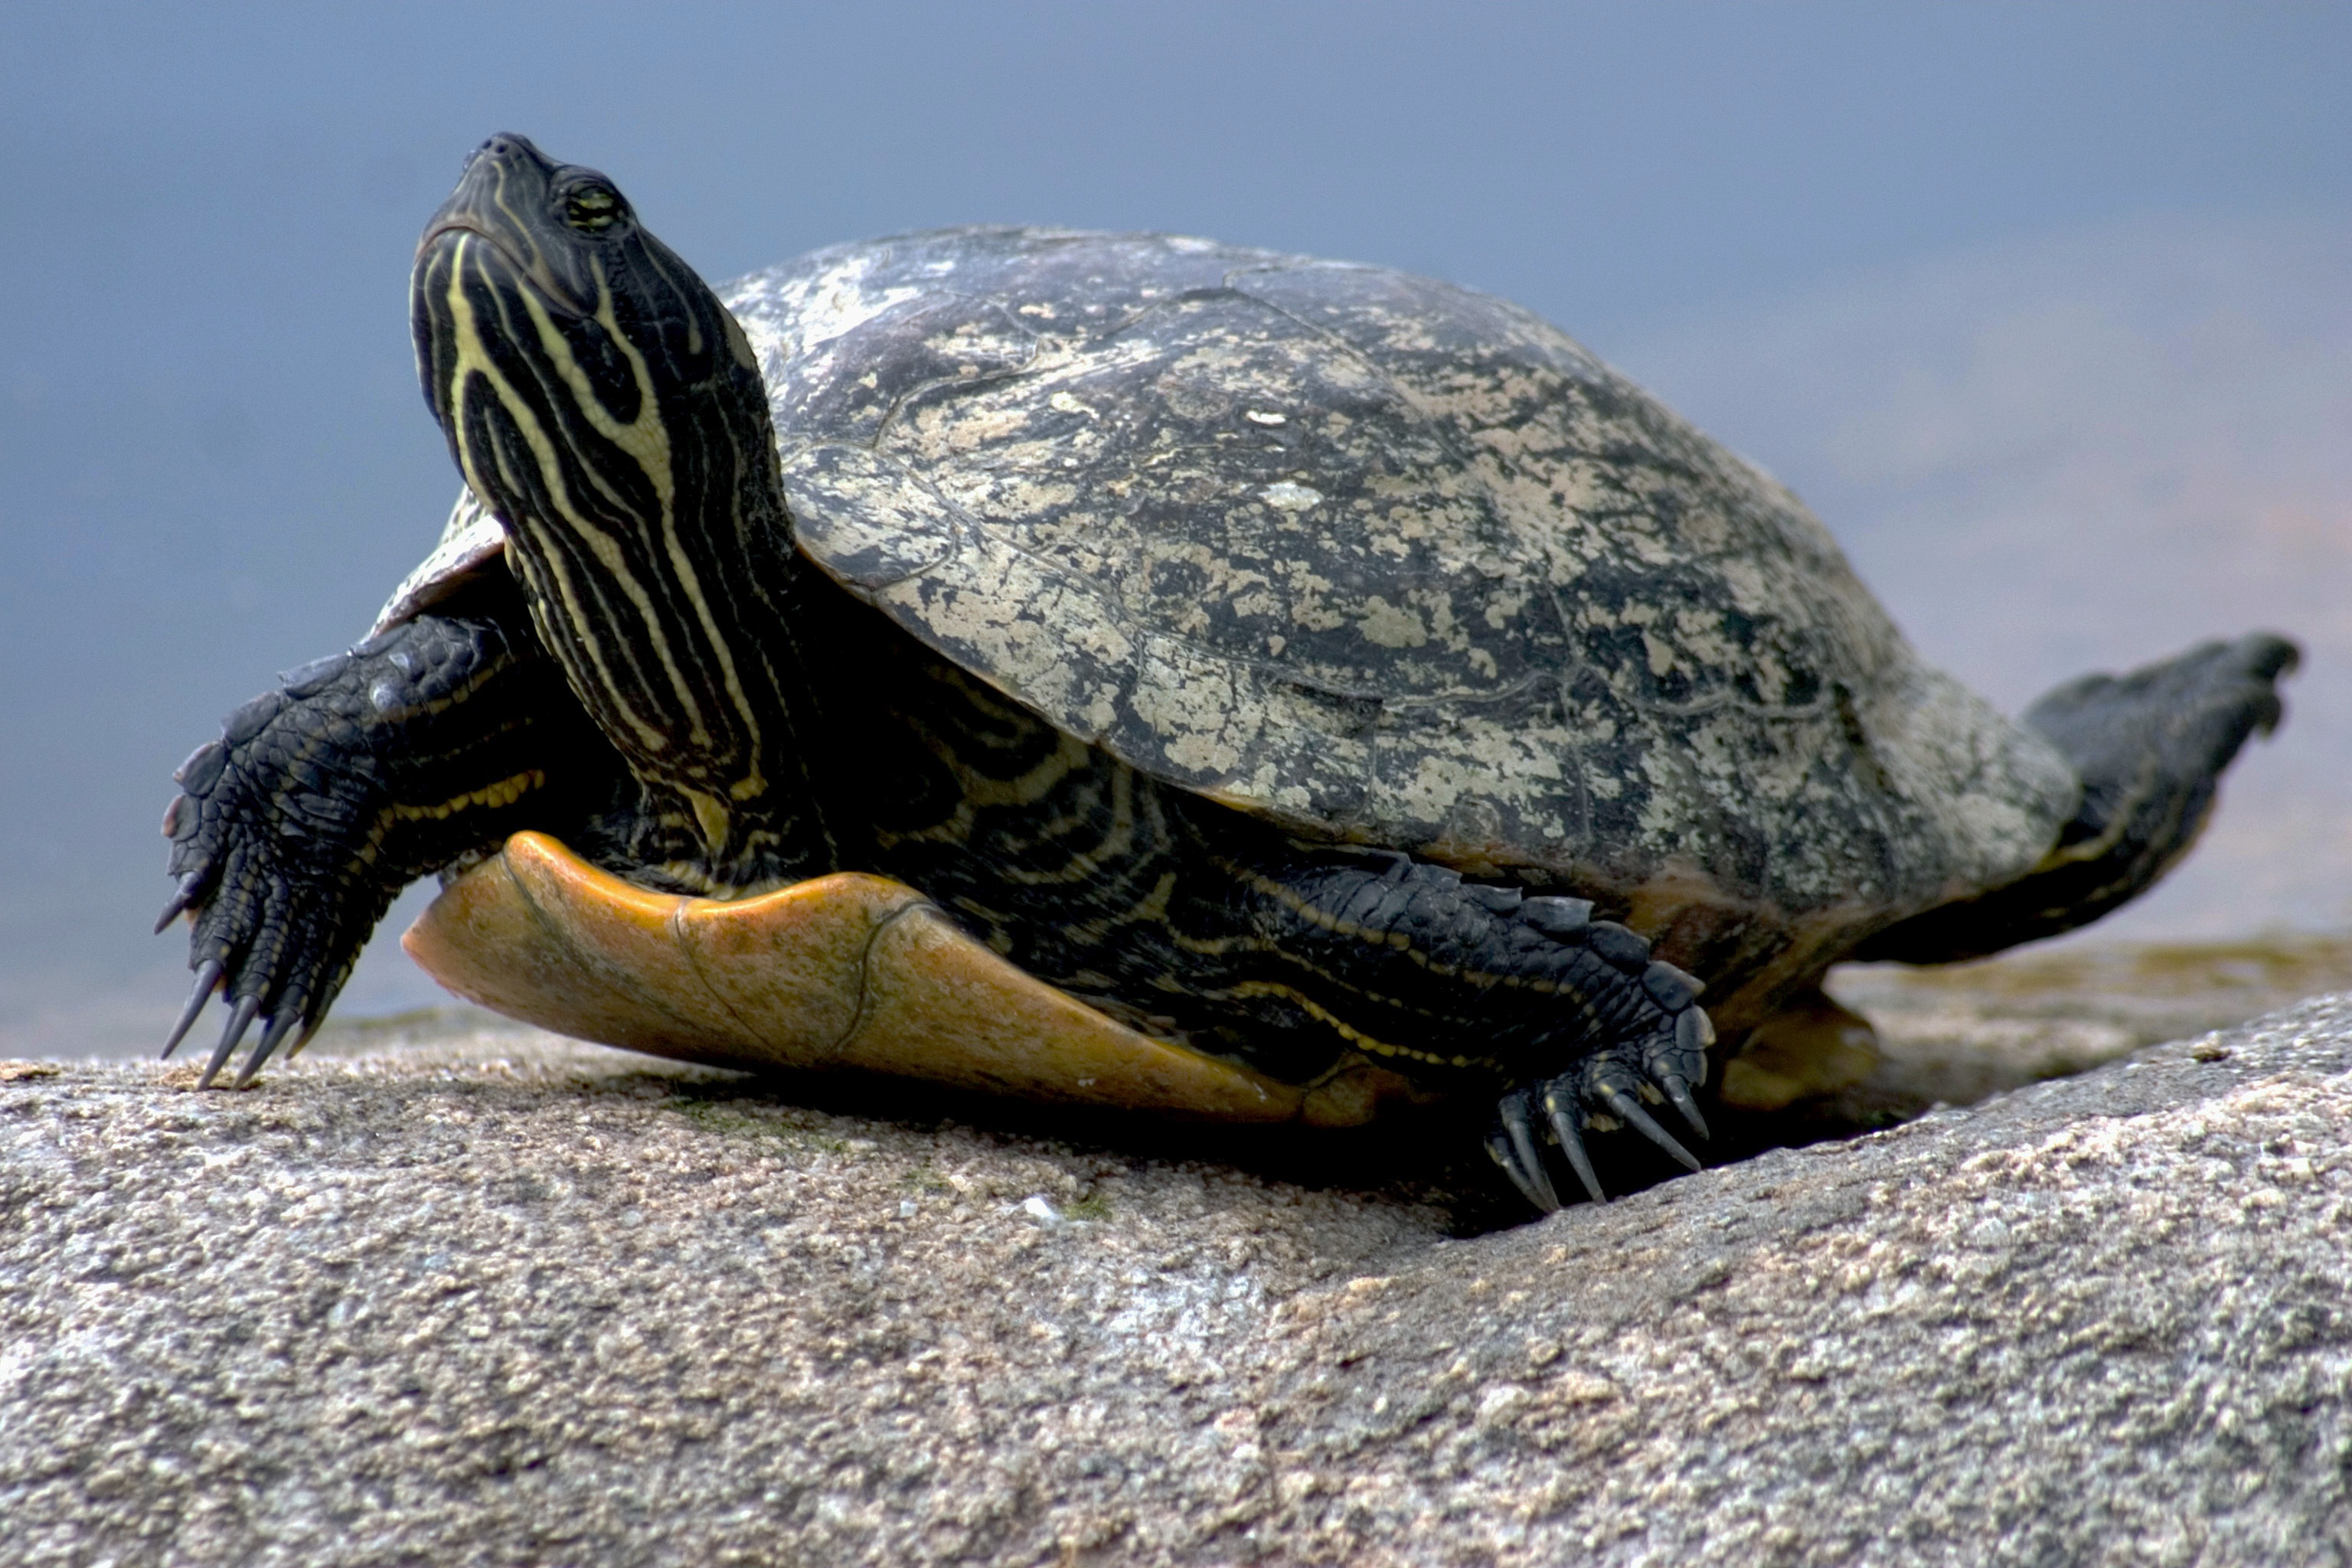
(2150, 748)
(1444, 981)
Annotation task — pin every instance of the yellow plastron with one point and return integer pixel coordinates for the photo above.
(845, 971)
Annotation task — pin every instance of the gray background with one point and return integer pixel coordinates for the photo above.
(2047, 310)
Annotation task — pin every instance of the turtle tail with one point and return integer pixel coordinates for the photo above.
(2150, 747)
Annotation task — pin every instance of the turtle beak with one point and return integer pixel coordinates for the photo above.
(502, 199)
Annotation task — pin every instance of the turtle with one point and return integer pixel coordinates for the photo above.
(1136, 670)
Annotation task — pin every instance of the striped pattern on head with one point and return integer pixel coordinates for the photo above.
(604, 404)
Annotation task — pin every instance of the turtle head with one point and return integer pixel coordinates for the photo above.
(538, 294)
(551, 222)
(606, 407)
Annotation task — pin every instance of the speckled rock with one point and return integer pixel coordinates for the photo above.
(520, 1302)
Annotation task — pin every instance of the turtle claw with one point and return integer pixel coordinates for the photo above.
(239, 1020)
(181, 897)
(1628, 1110)
(1498, 1149)
(281, 1024)
(1520, 1127)
(206, 978)
(1678, 1093)
(1559, 1105)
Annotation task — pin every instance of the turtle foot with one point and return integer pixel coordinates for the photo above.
(270, 919)
(1604, 1093)
(293, 832)
(1470, 982)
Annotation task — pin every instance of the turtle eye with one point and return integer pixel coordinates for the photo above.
(591, 209)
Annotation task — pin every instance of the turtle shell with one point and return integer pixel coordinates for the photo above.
(1379, 558)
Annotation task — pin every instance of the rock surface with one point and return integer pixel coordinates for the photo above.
(518, 1301)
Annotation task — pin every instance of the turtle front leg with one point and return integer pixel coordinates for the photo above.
(293, 832)
(1442, 978)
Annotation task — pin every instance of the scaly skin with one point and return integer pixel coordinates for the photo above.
(321, 800)
(2150, 747)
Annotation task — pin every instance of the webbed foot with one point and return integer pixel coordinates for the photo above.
(270, 826)
(293, 831)
(1608, 1089)
(1466, 984)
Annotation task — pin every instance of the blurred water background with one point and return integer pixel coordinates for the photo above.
(2046, 310)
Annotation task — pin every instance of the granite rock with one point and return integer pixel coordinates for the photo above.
(522, 1302)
